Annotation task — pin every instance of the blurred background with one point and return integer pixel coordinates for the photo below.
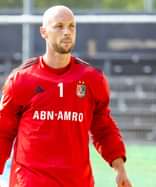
(116, 36)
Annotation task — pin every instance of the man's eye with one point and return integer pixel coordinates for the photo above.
(72, 26)
(59, 26)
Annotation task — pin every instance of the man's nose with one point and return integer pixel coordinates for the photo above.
(66, 31)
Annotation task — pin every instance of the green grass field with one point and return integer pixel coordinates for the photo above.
(140, 165)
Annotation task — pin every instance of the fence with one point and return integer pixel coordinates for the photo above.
(124, 46)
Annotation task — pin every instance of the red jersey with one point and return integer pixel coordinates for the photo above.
(50, 114)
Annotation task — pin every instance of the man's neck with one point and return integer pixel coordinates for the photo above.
(57, 60)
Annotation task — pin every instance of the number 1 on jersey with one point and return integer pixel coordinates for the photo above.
(60, 85)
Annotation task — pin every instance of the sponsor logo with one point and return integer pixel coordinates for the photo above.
(39, 89)
(60, 115)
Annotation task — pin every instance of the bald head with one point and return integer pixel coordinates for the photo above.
(56, 12)
(59, 29)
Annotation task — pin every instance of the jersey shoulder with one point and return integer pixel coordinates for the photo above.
(96, 80)
(21, 70)
(90, 69)
(26, 64)
(24, 67)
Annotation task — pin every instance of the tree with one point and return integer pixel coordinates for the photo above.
(104, 5)
(129, 5)
(80, 4)
(10, 4)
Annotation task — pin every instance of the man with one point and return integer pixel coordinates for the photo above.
(49, 107)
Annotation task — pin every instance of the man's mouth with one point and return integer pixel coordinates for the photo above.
(66, 41)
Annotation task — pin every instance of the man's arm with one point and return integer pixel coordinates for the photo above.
(122, 178)
(8, 122)
(106, 135)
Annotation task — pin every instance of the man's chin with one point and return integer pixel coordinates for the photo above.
(65, 51)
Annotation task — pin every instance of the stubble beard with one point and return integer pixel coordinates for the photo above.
(62, 50)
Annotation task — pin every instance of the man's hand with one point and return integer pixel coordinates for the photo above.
(122, 178)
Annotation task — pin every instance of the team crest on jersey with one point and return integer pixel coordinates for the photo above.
(81, 89)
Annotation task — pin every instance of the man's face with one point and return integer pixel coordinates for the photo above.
(60, 32)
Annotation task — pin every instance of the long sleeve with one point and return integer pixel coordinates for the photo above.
(106, 135)
(8, 122)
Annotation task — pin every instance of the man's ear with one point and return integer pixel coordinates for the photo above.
(43, 32)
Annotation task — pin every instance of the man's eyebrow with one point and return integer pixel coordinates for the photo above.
(57, 23)
(60, 23)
